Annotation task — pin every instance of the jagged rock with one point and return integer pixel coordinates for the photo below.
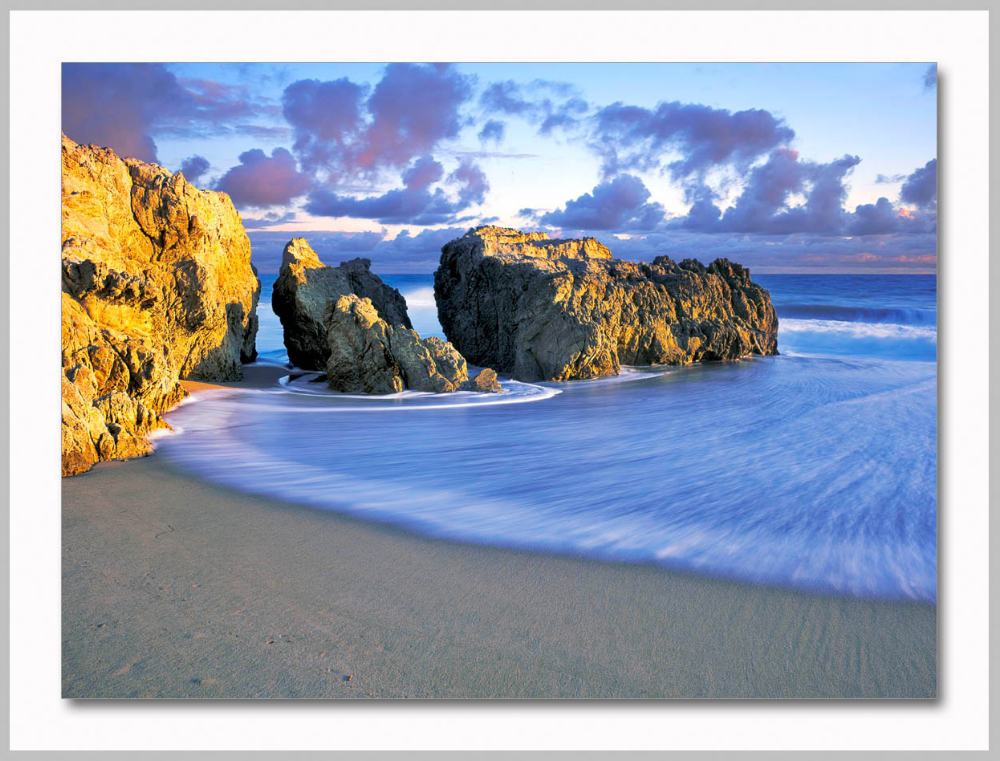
(157, 286)
(368, 355)
(306, 289)
(485, 382)
(544, 309)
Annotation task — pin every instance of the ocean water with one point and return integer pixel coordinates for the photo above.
(814, 470)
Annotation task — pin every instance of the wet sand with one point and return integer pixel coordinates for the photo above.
(173, 588)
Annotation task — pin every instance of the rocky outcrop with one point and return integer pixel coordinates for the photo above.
(157, 286)
(486, 382)
(544, 309)
(368, 355)
(306, 289)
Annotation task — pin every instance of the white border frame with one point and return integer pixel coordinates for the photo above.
(40, 41)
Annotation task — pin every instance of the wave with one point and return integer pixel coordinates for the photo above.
(810, 474)
(306, 385)
(420, 298)
(860, 329)
(841, 312)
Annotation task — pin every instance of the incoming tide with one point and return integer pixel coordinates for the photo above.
(813, 470)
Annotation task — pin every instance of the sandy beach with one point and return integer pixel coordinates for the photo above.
(176, 588)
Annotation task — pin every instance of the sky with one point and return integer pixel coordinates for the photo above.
(783, 167)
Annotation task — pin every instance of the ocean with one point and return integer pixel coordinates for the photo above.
(813, 470)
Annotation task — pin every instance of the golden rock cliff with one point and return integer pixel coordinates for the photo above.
(157, 286)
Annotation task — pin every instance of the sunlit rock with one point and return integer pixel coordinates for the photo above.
(306, 289)
(157, 286)
(558, 310)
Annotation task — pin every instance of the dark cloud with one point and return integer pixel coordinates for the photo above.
(343, 132)
(766, 205)
(876, 218)
(546, 104)
(116, 105)
(194, 168)
(260, 180)
(123, 106)
(619, 204)
(920, 188)
(492, 131)
(326, 119)
(416, 203)
(635, 138)
(930, 78)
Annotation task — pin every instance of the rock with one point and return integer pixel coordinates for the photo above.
(306, 289)
(157, 286)
(368, 355)
(360, 359)
(485, 382)
(558, 310)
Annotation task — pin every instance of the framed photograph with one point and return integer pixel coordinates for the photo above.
(399, 368)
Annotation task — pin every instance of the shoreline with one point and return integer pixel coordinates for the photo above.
(173, 587)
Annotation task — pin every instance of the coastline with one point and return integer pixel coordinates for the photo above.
(175, 588)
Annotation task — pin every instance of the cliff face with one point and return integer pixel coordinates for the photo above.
(545, 309)
(306, 289)
(157, 286)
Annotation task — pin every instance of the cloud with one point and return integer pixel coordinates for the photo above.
(548, 105)
(343, 132)
(124, 105)
(900, 252)
(769, 202)
(766, 206)
(416, 203)
(194, 168)
(326, 119)
(268, 220)
(619, 204)
(261, 181)
(492, 131)
(930, 78)
(697, 137)
(920, 188)
(889, 179)
(404, 253)
(876, 218)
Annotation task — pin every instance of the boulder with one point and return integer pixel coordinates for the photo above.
(556, 310)
(306, 289)
(486, 382)
(157, 286)
(368, 355)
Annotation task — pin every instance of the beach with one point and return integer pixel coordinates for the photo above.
(174, 588)
(281, 544)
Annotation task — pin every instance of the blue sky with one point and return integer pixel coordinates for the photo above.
(785, 167)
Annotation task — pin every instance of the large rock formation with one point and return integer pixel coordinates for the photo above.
(157, 286)
(369, 355)
(306, 289)
(544, 309)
